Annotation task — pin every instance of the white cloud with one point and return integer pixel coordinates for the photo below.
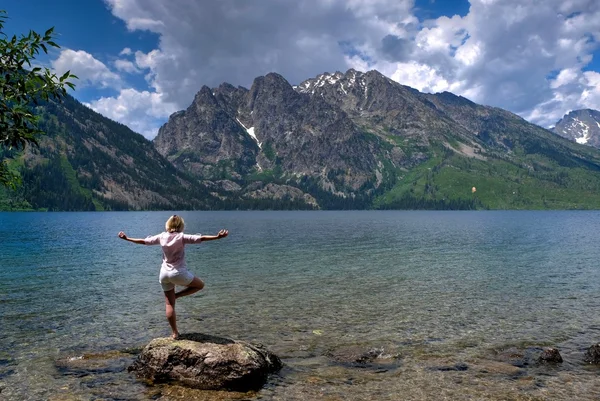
(207, 42)
(145, 24)
(142, 111)
(126, 66)
(565, 77)
(590, 95)
(423, 78)
(527, 57)
(89, 70)
(503, 52)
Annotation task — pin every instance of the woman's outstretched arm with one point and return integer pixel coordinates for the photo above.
(134, 240)
(220, 234)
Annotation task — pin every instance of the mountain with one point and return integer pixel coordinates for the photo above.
(581, 126)
(361, 140)
(89, 162)
(348, 140)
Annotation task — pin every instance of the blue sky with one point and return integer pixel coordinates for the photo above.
(141, 60)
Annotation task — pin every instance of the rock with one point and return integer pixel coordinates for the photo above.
(550, 355)
(228, 185)
(515, 356)
(592, 355)
(206, 362)
(529, 356)
(95, 364)
(358, 357)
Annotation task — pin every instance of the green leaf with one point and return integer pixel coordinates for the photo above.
(65, 76)
(22, 87)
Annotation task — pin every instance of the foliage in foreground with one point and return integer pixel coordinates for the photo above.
(22, 86)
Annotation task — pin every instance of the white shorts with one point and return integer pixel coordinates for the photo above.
(170, 278)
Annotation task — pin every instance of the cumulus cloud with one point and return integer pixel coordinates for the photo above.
(142, 111)
(208, 42)
(89, 70)
(126, 66)
(527, 57)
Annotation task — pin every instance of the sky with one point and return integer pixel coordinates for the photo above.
(139, 61)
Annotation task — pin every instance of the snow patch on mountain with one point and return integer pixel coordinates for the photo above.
(585, 130)
(250, 132)
(343, 83)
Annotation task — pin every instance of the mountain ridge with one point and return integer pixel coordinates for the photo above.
(336, 141)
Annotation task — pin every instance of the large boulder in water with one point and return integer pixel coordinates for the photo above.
(206, 362)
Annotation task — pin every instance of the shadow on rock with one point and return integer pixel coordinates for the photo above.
(205, 338)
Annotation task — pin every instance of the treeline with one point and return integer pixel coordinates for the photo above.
(48, 186)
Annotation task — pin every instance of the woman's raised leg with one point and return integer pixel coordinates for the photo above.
(193, 287)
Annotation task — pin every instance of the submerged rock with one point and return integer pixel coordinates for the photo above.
(550, 355)
(206, 362)
(592, 355)
(355, 356)
(91, 364)
(529, 356)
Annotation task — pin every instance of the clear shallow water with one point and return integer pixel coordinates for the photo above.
(434, 289)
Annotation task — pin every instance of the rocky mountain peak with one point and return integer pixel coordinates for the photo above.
(205, 94)
(271, 90)
(339, 81)
(581, 126)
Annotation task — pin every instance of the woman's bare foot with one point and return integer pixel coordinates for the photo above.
(175, 336)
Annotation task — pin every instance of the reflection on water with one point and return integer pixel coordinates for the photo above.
(453, 299)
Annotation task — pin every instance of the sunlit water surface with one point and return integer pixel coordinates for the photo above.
(444, 298)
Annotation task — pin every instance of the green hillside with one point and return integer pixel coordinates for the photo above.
(534, 182)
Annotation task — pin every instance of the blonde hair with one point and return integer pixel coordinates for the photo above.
(175, 224)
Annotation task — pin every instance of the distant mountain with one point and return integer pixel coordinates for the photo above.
(336, 141)
(89, 162)
(361, 140)
(581, 126)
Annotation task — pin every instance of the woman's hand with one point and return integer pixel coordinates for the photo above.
(222, 234)
(122, 235)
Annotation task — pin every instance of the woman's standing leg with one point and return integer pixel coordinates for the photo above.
(170, 311)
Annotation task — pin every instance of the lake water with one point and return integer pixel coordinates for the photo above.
(453, 304)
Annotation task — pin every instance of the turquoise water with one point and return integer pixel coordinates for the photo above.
(426, 291)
